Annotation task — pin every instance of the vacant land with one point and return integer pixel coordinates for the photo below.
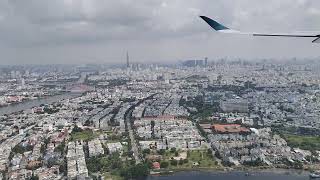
(194, 159)
(85, 135)
(303, 142)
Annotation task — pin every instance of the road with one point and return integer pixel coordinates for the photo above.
(135, 149)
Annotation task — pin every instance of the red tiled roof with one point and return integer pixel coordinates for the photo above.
(156, 165)
(229, 128)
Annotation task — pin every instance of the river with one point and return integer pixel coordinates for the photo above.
(231, 176)
(36, 102)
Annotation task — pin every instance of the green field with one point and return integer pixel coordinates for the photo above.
(85, 135)
(303, 142)
(200, 157)
(109, 176)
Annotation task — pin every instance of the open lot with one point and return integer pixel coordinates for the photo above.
(303, 142)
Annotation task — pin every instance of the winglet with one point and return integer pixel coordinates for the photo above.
(317, 40)
(214, 24)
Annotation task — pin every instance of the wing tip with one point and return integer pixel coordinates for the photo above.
(214, 24)
(317, 40)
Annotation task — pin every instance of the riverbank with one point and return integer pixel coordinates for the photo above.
(231, 175)
(234, 170)
(25, 100)
(13, 108)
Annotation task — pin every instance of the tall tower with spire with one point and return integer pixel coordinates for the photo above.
(128, 63)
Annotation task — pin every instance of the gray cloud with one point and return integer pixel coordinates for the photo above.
(70, 31)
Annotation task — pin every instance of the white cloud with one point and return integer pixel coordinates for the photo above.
(313, 11)
(114, 25)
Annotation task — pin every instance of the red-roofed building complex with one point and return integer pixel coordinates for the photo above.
(229, 128)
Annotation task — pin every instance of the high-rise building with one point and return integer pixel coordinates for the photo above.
(23, 83)
(128, 63)
(205, 61)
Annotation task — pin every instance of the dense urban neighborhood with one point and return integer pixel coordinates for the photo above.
(101, 122)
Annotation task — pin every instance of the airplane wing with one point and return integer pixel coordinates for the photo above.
(223, 29)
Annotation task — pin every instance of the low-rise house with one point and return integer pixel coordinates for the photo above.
(52, 173)
(95, 148)
(76, 164)
(20, 174)
(115, 147)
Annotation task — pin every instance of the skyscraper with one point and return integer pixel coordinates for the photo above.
(205, 61)
(128, 64)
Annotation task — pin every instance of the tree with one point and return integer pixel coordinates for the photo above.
(60, 147)
(76, 129)
(135, 172)
(164, 164)
(173, 150)
(33, 177)
(217, 154)
(63, 167)
(162, 151)
(146, 151)
(185, 161)
(93, 164)
(46, 141)
(140, 170)
(43, 148)
(174, 162)
(176, 154)
(21, 149)
(188, 153)
(209, 153)
(51, 162)
(152, 128)
(116, 163)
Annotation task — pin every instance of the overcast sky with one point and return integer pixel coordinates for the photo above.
(101, 31)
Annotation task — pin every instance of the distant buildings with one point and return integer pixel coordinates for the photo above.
(194, 63)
